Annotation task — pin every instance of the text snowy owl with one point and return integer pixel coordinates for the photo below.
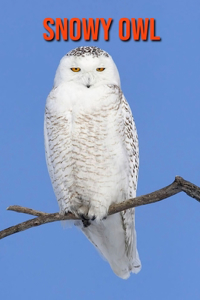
(74, 29)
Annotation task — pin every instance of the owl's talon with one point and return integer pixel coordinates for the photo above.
(96, 213)
(87, 218)
(86, 223)
(83, 217)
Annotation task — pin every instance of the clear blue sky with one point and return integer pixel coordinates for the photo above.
(161, 82)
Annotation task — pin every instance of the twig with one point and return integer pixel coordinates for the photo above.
(179, 185)
(26, 210)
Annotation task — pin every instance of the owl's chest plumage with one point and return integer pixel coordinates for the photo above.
(87, 152)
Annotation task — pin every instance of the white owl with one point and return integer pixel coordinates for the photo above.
(92, 153)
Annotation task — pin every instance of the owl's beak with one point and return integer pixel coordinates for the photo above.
(88, 81)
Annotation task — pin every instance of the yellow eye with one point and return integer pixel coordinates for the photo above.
(100, 69)
(75, 69)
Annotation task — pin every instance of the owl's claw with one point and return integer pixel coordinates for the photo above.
(98, 213)
(90, 213)
(83, 217)
(86, 223)
(86, 217)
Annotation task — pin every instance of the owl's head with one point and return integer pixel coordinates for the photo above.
(87, 66)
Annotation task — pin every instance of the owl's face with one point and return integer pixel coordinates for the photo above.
(88, 70)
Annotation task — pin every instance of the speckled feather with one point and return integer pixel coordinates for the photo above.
(92, 153)
(83, 51)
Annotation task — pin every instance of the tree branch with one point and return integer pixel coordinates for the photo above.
(179, 185)
(26, 210)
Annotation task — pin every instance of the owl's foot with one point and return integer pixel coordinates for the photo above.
(90, 213)
(97, 213)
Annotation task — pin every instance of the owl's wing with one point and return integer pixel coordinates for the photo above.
(128, 216)
(115, 237)
(57, 152)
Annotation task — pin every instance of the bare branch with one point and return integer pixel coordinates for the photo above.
(179, 185)
(26, 210)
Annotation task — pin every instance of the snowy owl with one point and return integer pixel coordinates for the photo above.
(92, 153)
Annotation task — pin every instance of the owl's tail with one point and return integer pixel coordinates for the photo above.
(109, 237)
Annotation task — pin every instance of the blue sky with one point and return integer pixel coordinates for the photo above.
(161, 82)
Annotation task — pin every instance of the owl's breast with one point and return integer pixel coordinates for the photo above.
(90, 158)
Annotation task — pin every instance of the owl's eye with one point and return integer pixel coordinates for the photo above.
(75, 69)
(100, 69)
